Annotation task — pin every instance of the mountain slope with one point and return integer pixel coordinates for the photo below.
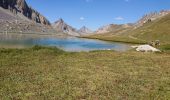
(151, 17)
(10, 23)
(17, 17)
(113, 28)
(20, 6)
(157, 29)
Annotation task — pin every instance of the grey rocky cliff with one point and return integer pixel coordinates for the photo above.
(20, 6)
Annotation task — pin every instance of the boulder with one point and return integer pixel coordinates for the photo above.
(146, 48)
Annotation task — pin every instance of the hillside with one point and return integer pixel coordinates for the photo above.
(14, 20)
(154, 30)
(21, 7)
(114, 28)
(10, 23)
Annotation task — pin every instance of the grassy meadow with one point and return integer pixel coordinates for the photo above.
(50, 73)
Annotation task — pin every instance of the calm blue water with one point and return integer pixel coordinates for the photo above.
(71, 44)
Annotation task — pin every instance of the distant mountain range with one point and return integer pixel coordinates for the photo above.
(61, 26)
(112, 28)
(115, 28)
(17, 16)
(151, 27)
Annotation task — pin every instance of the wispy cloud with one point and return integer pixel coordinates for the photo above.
(82, 18)
(119, 18)
(127, 0)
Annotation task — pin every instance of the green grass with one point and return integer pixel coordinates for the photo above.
(50, 73)
(165, 47)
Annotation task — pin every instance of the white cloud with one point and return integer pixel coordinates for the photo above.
(82, 18)
(88, 0)
(119, 18)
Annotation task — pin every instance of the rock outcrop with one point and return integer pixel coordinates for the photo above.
(20, 6)
(11, 23)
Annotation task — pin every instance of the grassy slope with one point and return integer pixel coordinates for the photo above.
(156, 30)
(117, 36)
(41, 73)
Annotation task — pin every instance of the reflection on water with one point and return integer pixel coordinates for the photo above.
(67, 43)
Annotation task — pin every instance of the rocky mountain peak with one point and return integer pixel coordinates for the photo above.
(85, 30)
(60, 21)
(61, 26)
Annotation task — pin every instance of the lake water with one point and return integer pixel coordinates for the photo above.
(71, 44)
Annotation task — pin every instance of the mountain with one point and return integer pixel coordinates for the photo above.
(155, 30)
(103, 29)
(114, 28)
(61, 26)
(85, 31)
(20, 24)
(20, 6)
(16, 16)
(149, 28)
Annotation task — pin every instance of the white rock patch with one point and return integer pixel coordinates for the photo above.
(145, 48)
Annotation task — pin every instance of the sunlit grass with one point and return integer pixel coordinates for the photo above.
(50, 73)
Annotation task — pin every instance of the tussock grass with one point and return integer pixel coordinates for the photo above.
(50, 73)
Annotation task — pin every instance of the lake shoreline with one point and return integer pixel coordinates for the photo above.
(115, 40)
(67, 43)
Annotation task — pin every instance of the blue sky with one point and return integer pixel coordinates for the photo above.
(96, 13)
